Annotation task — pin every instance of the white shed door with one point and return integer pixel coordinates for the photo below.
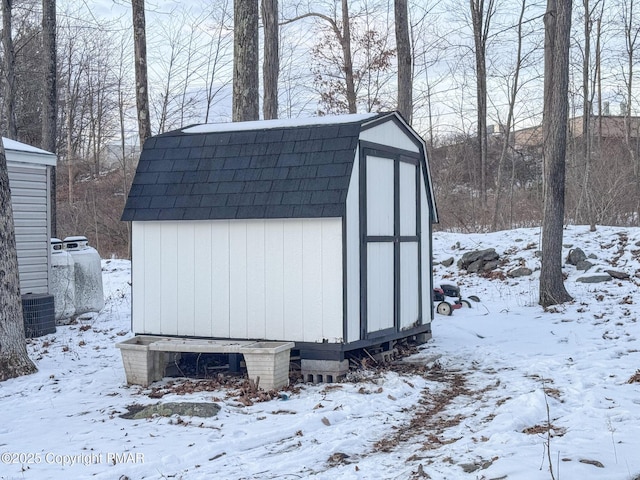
(390, 245)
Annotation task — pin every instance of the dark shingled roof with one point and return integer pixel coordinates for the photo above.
(301, 172)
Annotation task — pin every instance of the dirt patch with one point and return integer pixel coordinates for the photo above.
(429, 415)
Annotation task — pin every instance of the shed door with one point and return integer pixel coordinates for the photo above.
(390, 249)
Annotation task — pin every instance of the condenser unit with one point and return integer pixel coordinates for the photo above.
(39, 314)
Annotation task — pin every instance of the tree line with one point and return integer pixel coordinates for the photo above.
(451, 68)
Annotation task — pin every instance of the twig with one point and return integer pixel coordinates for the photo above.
(546, 402)
(370, 356)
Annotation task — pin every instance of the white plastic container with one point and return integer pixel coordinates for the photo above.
(63, 284)
(89, 294)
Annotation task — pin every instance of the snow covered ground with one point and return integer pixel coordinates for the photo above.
(474, 403)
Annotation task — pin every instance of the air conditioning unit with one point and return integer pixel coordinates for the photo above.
(39, 314)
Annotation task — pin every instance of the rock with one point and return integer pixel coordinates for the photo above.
(448, 262)
(595, 463)
(575, 256)
(537, 254)
(482, 256)
(475, 266)
(594, 279)
(584, 265)
(618, 275)
(520, 272)
(592, 256)
(491, 265)
(186, 409)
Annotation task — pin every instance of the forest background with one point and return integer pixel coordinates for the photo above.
(477, 97)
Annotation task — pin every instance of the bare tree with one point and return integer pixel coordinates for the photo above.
(217, 59)
(556, 81)
(631, 37)
(341, 28)
(271, 62)
(345, 42)
(589, 80)
(429, 48)
(50, 95)
(50, 91)
(9, 70)
(506, 141)
(405, 61)
(14, 360)
(481, 22)
(140, 49)
(246, 102)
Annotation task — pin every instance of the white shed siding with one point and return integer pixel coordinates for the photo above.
(427, 279)
(380, 196)
(238, 274)
(380, 289)
(29, 185)
(408, 199)
(273, 279)
(218, 243)
(409, 301)
(389, 134)
(256, 280)
(353, 253)
(186, 277)
(203, 274)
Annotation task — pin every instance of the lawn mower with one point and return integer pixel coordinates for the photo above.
(450, 299)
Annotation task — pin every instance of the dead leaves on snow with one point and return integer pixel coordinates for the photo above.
(430, 417)
(635, 378)
(241, 390)
(544, 429)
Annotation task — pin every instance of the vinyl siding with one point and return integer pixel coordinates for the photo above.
(278, 279)
(29, 198)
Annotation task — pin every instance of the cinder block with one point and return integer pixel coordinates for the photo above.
(323, 371)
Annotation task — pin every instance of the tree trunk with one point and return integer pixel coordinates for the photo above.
(631, 37)
(348, 62)
(14, 360)
(557, 21)
(271, 63)
(142, 89)
(405, 64)
(50, 97)
(9, 60)
(246, 102)
(481, 23)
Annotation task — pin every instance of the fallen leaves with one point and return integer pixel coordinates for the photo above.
(635, 378)
(543, 429)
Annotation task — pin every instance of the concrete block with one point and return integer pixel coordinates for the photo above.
(323, 371)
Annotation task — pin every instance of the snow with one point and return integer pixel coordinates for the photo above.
(278, 123)
(22, 147)
(472, 403)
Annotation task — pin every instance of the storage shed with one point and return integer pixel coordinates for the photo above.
(316, 231)
(29, 179)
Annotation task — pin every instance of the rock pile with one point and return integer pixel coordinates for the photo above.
(479, 261)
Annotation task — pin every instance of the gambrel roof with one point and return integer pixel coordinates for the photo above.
(298, 168)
